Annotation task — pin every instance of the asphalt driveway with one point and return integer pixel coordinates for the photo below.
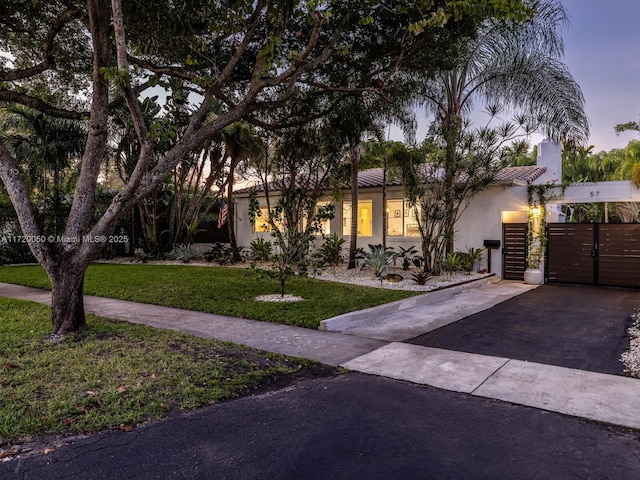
(579, 327)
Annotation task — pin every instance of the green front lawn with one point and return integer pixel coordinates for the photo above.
(224, 291)
(118, 375)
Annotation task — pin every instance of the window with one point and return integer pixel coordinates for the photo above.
(325, 223)
(401, 219)
(365, 225)
(262, 220)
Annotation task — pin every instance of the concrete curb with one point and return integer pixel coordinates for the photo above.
(340, 322)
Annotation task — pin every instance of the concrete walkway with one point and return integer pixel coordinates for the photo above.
(607, 398)
(406, 319)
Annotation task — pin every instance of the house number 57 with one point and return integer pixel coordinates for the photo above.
(594, 194)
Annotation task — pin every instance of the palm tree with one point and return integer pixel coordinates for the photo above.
(357, 118)
(45, 146)
(242, 142)
(514, 65)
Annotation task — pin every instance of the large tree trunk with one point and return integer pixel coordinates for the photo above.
(354, 154)
(67, 300)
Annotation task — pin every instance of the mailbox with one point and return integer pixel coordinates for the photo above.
(492, 243)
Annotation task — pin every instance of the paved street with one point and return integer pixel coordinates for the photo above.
(479, 423)
(350, 427)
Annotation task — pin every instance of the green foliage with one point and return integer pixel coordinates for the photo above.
(379, 259)
(451, 263)
(140, 256)
(409, 257)
(635, 174)
(185, 252)
(222, 253)
(261, 250)
(12, 249)
(115, 374)
(537, 197)
(331, 249)
(295, 219)
(628, 126)
(471, 258)
(420, 277)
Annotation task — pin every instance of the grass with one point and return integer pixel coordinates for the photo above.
(115, 375)
(224, 291)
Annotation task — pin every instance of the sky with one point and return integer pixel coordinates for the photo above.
(602, 52)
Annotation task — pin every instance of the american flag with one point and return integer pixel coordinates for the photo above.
(222, 216)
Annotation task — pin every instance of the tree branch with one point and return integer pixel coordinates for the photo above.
(49, 62)
(19, 195)
(37, 104)
(83, 199)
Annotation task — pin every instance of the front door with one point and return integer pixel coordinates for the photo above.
(514, 250)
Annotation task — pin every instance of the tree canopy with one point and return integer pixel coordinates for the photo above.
(250, 59)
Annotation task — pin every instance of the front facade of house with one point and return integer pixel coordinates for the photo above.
(504, 202)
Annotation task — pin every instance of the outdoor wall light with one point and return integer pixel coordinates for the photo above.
(535, 211)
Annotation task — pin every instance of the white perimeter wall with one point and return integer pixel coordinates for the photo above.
(482, 220)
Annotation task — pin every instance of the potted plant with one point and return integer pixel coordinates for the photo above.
(534, 275)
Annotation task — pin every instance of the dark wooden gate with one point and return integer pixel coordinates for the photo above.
(514, 250)
(594, 254)
(619, 254)
(571, 254)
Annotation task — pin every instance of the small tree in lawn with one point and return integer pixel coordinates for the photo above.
(293, 242)
(300, 173)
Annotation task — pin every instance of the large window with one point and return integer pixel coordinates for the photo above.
(365, 213)
(262, 220)
(401, 219)
(325, 223)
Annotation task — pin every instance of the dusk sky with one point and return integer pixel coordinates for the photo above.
(602, 51)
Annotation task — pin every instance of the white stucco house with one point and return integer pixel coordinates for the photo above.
(502, 203)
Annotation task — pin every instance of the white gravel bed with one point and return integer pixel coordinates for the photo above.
(631, 358)
(341, 274)
(276, 297)
(366, 278)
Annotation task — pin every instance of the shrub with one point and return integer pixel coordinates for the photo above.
(140, 256)
(378, 259)
(420, 277)
(469, 259)
(453, 262)
(409, 257)
(261, 249)
(15, 253)
(222, 253)
(184, 253)
(473, 257)
(331, 249)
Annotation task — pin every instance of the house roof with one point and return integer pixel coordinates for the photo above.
(372, 178)
(509, 175)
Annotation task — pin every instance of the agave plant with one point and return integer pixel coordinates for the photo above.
(378, 259)
(185, 252)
